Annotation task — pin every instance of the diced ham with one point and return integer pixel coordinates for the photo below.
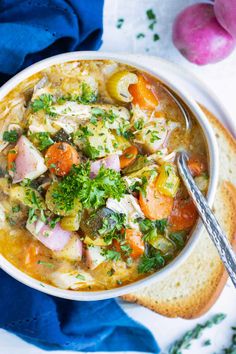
(55, 239)
(112, 162)
(29, 162)
(94, 257)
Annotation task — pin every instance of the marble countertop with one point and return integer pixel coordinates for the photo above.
(221, 78)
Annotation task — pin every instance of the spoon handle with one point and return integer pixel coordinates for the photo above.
(217, 235)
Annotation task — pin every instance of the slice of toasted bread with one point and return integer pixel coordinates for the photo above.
(193, 288)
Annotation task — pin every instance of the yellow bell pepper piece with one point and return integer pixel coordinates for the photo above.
(167, 181)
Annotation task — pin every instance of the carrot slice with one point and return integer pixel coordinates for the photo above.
(60, 157)
(155, 205)
(143, 94)
(31, 255)
(11, 157)
(183, 215)
(197, 165)
(135, 241)
(128, 156)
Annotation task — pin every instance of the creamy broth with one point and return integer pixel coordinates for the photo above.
(90, 194)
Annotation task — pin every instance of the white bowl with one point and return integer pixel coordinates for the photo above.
(213, 160)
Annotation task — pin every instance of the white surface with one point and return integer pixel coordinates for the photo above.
(221, 78)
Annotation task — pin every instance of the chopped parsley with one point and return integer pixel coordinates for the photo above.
(138, 125)
(111, 255)
(80, 277)
(111, 272)
(42, 140)
(154, 136)
(10, 136)
(16, 209)
(156, 37)
(140, 35)
(46, 264)
(179, 238)
(43, 102)
(150, 14)
(111, 227)
(120, 23)
(87, 94)
(92, 193)
(195, 333)
(151, 262)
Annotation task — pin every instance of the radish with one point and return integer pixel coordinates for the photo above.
(225, 11)
(199, 37)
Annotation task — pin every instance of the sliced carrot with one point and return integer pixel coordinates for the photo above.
(128, 156)
(197, 165)
(143, 94)
(135, 241)
(31, 255)
(155, 205)
(183, 215)
(60, 157)
(11, 158)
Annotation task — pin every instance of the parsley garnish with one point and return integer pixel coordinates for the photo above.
(44, 102)
(46, 264)
(156, 37)
(140, 35)
(111, 255)
(179, 238)
(120, 22)
(92, 193)
(151, 229)
(149, 263)
(16, 209)
(42, 140)
(80, 277)
(150, 14)
(87, 94)
(195, 333)
(10, 136)
(111, 227)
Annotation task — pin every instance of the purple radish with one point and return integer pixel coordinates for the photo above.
(225, 11)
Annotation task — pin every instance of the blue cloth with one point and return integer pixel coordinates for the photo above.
(52, 323)
(31, 30)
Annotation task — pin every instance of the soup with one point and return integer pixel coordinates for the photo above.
(90, 194)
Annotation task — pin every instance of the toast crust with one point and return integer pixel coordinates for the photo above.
(192, 305)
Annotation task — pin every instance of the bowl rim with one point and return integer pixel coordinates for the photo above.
(214, 167)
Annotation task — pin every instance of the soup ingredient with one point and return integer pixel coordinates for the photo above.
(199, 37)
(111, 162)
(92, 193)
(167, 181)
(94, 257)
(53, 238)
(127, 205)
(42, 140)
(44, 102)
(152, 18)
(195, 333)
(135, 241)
(60, 157)
(29, 163)
(11, 158)
(128, 156)
(31, 254)
(72, 251)
(183, 215)
(155, 206)
(71, 222)
(72, 280)
(10, 136)
(225, 11)
(197, 165)
(142, 94)
(120, 22)
(151, 261)
(118, 85)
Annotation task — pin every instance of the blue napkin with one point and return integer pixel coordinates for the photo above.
(31, 30)
(52, 323)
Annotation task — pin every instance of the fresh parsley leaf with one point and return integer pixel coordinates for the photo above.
(111, 255)
(42, 140)
(151, 229)
(179, 238)
(10, 136)
(140, 35)
(195, 333)
(92, 193)
(150, 263)
(156, 37)
(87, 94)
(120, 23)
(43, 102)
(80, 277)
(150, 14)
(46, 264)
(16, 209)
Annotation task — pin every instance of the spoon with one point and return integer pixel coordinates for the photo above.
(214, 230)
(182, 109)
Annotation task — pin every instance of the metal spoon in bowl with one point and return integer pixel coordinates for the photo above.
(214, 230)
